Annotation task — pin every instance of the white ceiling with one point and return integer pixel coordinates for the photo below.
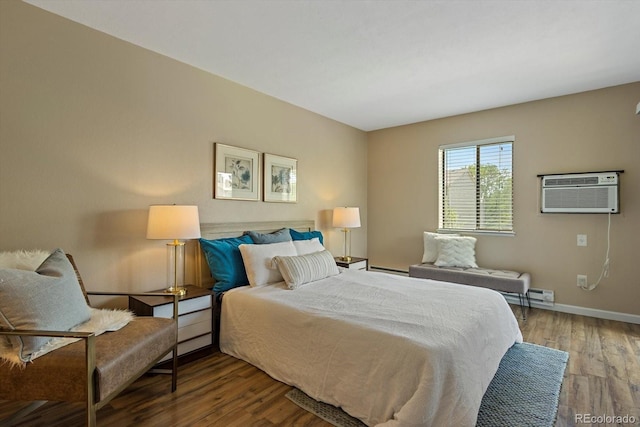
(374, 64)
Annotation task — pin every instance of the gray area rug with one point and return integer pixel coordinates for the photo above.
(523, 393)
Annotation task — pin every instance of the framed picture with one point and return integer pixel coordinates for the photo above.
(236, 173)
(280, 179)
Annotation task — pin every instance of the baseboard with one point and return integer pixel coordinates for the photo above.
(594, 312)
(582, 311)
(563, 308)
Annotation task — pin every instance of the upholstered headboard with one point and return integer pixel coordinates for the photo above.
(235, 229)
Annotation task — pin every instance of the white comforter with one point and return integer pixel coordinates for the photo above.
(389, 350)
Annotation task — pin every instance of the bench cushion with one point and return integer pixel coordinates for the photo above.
(120, 355)
(499, 280)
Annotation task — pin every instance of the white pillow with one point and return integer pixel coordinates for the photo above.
(258, 261)
(456, 252)
(304, 247)
(431, 246)
(301, 269)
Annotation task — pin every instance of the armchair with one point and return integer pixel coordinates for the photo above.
(92, 370)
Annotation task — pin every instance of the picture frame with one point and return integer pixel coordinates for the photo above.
(236, 173)
(280, 179)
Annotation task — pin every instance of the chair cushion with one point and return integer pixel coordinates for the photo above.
(49, 298)
(121, 357)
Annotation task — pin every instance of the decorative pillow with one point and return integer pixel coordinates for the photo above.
(281, 235)
(304, 247)
(302, 269)
(23, 259)
(258, 261)
(307, 235)
(456, 252)
(49, 298)
(431, 246)
(225, 262)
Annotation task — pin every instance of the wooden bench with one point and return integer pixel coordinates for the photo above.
(498, 280)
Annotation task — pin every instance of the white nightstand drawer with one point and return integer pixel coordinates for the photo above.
(191, 345)
(360, 265)
(191, 318)
(186, 306)
(193, 330)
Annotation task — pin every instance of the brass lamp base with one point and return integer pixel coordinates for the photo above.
(345, 258)
(179, 290)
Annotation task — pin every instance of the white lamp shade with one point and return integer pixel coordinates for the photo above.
(346, 217)
(173, 222)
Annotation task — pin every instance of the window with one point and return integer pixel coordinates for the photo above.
(476, 186)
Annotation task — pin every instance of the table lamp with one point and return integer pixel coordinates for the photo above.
(346, 218)
(174, 222)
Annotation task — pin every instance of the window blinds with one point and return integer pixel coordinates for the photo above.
(476, 186)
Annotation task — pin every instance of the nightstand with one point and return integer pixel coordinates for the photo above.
(354, 264)
(195, 319)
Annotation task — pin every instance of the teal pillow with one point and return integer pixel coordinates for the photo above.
(281, 235)
(225, 262)
(308, 235)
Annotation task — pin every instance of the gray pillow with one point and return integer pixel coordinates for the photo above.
(49, 298)
(281, 235)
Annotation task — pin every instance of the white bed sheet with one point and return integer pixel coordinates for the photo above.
(390, 350)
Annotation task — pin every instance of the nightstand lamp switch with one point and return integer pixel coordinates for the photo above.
(346, 218)
(174, 222)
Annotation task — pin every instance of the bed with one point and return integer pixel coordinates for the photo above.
(387, 349)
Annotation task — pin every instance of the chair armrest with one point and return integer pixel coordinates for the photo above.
(41, 333)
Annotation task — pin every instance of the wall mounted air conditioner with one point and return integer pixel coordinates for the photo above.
(580, 193)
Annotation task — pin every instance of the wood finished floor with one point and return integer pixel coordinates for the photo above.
(602, 377)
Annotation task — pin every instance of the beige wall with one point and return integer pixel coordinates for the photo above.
(590, 131)
(93, 130)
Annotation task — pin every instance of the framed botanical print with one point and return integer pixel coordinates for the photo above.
(236, 173)
(280, 179)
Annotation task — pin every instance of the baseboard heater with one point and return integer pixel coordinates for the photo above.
(542, 297)
(389, 270)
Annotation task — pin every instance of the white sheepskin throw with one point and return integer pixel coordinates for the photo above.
(102, 320)
(22, 259)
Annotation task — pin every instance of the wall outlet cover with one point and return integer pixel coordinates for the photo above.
(582, 240)
(582, 281)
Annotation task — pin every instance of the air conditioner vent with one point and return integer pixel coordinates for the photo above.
(591, 180)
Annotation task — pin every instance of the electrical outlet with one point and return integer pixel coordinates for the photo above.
(582, 281)
(582, 240)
